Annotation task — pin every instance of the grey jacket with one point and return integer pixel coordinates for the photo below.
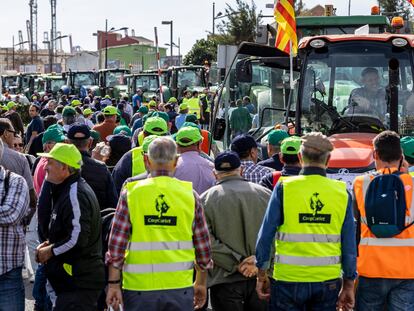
(234, 210)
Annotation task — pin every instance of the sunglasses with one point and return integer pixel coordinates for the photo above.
(18, 145)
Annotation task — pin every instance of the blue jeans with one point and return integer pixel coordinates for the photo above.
(39, 293)
(12, 291)
(292, 296)
(385, 294)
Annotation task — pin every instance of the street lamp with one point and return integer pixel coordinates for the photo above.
(179, 49)
(219, 14)
(171, 34)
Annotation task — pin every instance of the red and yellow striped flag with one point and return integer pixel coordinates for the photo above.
(412, 2)
(286, 26)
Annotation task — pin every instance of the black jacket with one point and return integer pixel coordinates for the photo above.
(75, 232)
(100, 179)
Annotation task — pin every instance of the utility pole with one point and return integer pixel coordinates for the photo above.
(106, 43)
(53, 29)
(171, 35)
(214, 18)
(13, 51)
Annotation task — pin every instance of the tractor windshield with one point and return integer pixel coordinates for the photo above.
(56, 84)
(10, 81)
(114, 78)
(87, 78)
(345, 88)
(147, 83)
(190, 78)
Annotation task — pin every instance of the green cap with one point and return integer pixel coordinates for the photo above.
(275, 137)
(183, 106)
(185, 124)
(191, 118)
(187, 136)
(291, 145)
(68, 111)
(107, 97)
(143, 109)
(407, 145)
(152, 103)
(4, 108)
(162, 114)
(95, 135)
(76, 102)
(11, 104)
(172, 100)
(65, 153)
(87, 112)
(122, 129)
(156, 126)
(147, 141)
(110, 111)
(53, 133)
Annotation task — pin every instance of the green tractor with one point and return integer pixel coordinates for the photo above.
(9, 83)
(50, 84)
(81, 83)
(147, 82)
(113, 82)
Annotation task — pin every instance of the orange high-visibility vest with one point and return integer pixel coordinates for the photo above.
(205, 144)
(390, 258)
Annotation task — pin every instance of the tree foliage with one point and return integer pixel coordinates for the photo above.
(241, 21)
(202, 50)
(393, 6)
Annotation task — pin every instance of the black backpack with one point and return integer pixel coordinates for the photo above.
(385, 205)
(107, 216)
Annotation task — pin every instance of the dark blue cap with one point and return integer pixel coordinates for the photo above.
(79, 131)
(242, 143)
(227, 161)
(120, 143)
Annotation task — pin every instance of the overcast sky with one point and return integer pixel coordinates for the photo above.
(192, 18)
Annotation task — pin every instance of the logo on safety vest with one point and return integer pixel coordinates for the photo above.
(160, 220)
(316, 205)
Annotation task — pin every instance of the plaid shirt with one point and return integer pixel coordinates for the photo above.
(12, 211)
(121, 231)
(253, 172)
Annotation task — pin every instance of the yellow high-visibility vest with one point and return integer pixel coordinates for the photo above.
(161, 251)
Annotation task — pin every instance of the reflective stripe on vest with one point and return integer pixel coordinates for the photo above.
(138, 165)
(160, 267)
(194, 106)
(297, 237)
(160, 254)
(377, 257)
(308, 243)
(308, 261)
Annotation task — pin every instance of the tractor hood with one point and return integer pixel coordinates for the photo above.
(352, 151)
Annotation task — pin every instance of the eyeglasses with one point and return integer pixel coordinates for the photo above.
(13, 132)
(18, 145)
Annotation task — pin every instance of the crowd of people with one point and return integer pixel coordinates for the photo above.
(129, 209)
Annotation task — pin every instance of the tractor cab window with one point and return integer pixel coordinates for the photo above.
(83, 79)
(56, 84)
(10, 81)
(114, 78)
(345, 88)
(189, 78)
(148, 83)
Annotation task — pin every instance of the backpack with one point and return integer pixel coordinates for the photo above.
(385, 205)
(107, 216)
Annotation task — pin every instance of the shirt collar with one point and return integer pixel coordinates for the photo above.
(161, 173)
(228, 178)
(312, 170)
(247, 162)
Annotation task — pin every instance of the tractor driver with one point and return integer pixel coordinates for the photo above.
(370, 98)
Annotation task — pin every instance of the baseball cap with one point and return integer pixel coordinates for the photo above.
(172, 100)
(243, 143)
(68, 111)
(183, 106)
(11, 104)
(162, 114)
(156, 126)
(53, 133)
(147, 141)
(275, 137)
(185, 124)
(123, 129)
(107, 97)
(407, 145)
(152, 103)
(76, 102)
(143, 109)
(64, 153)
(110, 111)
(191, 118)
(119, 143)
(95, 135)
(317, 141)
(87, 112)
(187, 136)
(79, 131)
(290, 145)
(227, 161)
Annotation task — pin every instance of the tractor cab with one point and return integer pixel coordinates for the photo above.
(113, 82)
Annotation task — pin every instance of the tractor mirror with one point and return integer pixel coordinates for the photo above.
(244, 72)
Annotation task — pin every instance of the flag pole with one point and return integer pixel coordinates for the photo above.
(158, 65)
(291, 64)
